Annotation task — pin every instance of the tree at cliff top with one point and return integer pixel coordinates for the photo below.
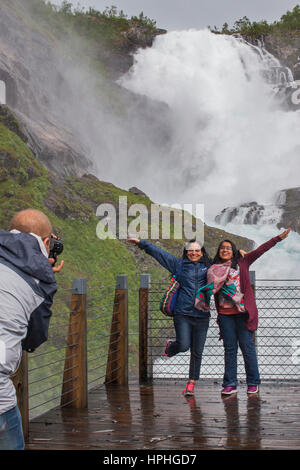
(290, 21)
(88, 21)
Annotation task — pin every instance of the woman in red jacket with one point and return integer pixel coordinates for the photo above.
(229, 281)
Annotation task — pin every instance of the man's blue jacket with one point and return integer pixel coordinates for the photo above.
(191, 278)
(27, 287)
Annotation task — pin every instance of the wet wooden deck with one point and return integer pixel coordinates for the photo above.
(158, 417)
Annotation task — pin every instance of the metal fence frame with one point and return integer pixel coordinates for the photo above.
(277, 338)
(89, 348)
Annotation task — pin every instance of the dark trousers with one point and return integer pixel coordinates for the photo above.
(11, 433)
(191, 334)
(234, 333)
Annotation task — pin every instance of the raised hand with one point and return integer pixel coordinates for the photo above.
(284, 234)
(243, 253)
(136, 241)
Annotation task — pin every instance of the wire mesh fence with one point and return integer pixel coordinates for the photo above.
(278, 335)
(46, 364)
(52, 381)
(277, 338)
(100, 306)
(55, 371)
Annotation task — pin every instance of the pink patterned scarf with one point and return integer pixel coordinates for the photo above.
(223, 279)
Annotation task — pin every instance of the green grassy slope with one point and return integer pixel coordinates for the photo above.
(70, 203)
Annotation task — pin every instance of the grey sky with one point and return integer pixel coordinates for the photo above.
(185, 14)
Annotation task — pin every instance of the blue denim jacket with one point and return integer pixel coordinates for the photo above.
(192, 277)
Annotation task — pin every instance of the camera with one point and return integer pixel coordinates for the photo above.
(56, 247)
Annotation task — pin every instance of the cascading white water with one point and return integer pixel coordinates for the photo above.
(231, 141)
(229, 137)
(276, 74)
(251, 214)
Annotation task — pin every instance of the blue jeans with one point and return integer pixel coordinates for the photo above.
(11, 432)
(191, 334)
(234, 333)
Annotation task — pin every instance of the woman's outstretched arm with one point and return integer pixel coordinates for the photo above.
(167, 260)
(252, 256)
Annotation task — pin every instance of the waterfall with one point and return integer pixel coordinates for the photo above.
(230, 141)
(227, 135)
(250, 214)
(276, 75)
(229, 138)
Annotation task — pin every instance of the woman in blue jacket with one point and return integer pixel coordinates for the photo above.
(190, 324)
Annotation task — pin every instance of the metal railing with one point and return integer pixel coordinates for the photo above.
(89, 335)
(87, 346)
(277, 338)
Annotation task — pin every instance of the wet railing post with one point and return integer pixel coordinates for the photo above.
(253, 282)
(144, 294)
(20, 381)
(117, 359)
(74, 388)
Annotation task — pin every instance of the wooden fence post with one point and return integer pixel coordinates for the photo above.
(144, 293)
(117, 358)
(75, 383)
(20, 381)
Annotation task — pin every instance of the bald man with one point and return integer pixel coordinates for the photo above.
(27, 287)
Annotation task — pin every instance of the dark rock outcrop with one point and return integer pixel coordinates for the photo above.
(289, 200)
(137, 191)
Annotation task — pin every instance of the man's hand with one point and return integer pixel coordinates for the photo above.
(136, 241)
(56, 269)
(284, 234)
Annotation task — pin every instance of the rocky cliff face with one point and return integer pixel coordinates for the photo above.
(120, 59)
(30, 68)
(44, 85)
(289, 201)
(286, 47)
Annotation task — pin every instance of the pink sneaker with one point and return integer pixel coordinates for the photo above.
(167, 347)
(189, 389)
(228, 390)
(252, 389)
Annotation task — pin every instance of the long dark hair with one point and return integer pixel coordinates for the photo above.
(204, 258)
(235, 254)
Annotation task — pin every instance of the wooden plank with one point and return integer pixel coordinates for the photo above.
(74, 387)
(117, 358)
(158, 417)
